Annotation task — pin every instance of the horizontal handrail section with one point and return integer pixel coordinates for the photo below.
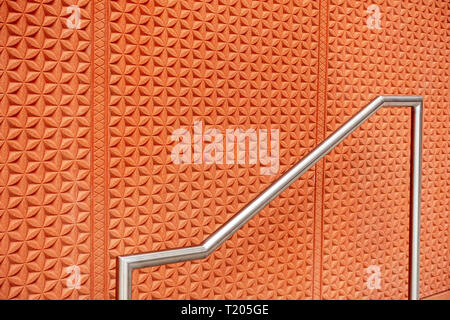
(126, 264)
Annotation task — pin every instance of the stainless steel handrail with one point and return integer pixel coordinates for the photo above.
(129, 263)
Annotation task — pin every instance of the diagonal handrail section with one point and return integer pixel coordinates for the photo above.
(126, 264)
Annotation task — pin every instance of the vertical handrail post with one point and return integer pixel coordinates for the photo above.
(416, 186)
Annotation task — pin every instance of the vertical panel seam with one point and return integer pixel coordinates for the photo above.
(99, 148)
(106, 158)
(320, 136)
(92, 157)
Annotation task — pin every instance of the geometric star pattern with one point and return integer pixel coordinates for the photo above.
(44, 151)
(230, 65)
(86, 118)
(366, 193)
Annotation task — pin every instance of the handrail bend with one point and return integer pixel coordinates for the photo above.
(127, 264)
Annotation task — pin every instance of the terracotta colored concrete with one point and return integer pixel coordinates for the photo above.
(86, 117)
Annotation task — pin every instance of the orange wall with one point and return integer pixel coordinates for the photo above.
(86, 118)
